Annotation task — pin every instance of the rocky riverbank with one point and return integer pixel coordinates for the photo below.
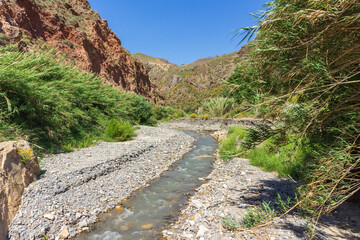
(234, 187)
(78, 186)
(212, 125)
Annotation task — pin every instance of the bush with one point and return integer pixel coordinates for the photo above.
(218, 107)
(303, 70)
(231, 145)
(205, 117)
(56, 105)
(162, 113)
(139, 110)
(193, 115)
(256, 217)
(119, 131)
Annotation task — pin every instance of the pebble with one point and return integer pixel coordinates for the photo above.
(83, 224)
(187, 235)
(202, 231)
(64, 233)
(49, 216)
(197, 203)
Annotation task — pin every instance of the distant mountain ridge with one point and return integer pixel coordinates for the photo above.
(188, 85)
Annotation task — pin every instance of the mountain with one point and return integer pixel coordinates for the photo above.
(74, 29)
(188, 85)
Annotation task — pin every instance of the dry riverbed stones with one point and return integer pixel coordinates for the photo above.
(78, 186)
(232, 189)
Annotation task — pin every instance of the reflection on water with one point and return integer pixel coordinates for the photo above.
(149, 210)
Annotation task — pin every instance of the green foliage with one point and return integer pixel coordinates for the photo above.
(257, 135)
(119, 131)
(268, 149)
(139, 110)
(229, 222)
(231, 145)
(57, 105)
(282, 205)
(205, 117)
(303, 71)
(163, 114)
(218, 107)
(287, 160)
(256, 217)
(25, 154)
(193, 115)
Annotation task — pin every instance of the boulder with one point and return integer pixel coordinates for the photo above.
(18, 168)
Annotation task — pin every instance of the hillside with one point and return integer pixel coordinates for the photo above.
(74, 29)
(189, 85)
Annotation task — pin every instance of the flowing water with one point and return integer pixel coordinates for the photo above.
(151, 209)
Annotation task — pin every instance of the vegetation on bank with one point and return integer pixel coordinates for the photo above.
(119, 131)
(59, 107)
(303, 72)
(166, 113)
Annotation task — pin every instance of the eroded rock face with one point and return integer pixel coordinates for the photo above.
(73, 28)
(18, 168)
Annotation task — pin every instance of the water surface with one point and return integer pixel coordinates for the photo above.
(151, 209)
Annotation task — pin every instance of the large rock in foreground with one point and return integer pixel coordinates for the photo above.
(18, 168)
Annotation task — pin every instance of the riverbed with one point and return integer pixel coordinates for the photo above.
(151, 209)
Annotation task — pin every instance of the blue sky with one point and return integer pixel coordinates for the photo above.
(181, 31)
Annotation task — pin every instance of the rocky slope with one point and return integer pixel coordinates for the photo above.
(18, 168)
(188, 85)
(73, 28)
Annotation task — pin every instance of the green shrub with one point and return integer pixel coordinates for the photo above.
(119, 131)
(219, 107)
(255, 217)
(205, 117)
(231, 145)
(162, 113)
(303, 71)
(54, 104)
(139, 111)
(229, 222)
(193, 115)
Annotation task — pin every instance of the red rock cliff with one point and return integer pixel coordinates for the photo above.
(72, 27)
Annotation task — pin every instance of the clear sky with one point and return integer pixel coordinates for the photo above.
(181, 31)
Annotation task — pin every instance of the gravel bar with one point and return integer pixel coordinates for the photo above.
(80, 185)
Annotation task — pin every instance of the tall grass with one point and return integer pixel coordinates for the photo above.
(218, 107)
(119, 131)
(231, 145)
(304, 66)
(54, 104)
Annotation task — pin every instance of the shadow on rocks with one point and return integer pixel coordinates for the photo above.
(268, 191)
(340, 225)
